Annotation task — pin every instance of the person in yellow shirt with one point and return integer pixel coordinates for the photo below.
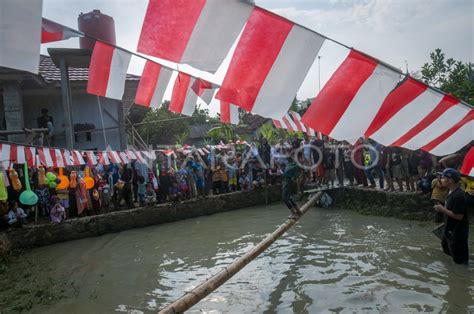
(467, 184)
(439, 193)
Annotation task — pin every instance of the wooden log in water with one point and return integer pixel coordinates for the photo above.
(204, 289)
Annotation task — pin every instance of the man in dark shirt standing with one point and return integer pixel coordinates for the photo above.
(45, 121)
(456, 222)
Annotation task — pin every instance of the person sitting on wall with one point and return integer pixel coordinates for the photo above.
(456, 229)
(16, 216)
(45, 121)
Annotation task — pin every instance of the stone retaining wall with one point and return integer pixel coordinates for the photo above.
(79, 228)
(364, 201)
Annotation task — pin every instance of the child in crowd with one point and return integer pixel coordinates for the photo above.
(43, 199)
(57, 213)
(232, 175)
(141, 190)
(244, 181)
(175, 194)
(16, 216)
(259, 178)
(150, 195)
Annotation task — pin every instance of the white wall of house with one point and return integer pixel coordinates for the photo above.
(85, 109)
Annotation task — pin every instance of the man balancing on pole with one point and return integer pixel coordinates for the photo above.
(456, 223)
(289, 187)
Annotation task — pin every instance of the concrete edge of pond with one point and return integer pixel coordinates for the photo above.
(365, 201)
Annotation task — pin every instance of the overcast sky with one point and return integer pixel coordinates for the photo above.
(395, 31)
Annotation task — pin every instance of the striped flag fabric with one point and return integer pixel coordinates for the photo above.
(108, 71)
(278, 124)
(52, 31)
(269, 64)
(21, 155)
(58, 158)
(229, 113)
(103, 158)
(131, 155)
(289, 123)
(91, 158)
(467, 168)
(351, 98)
(297, 120)
(453, 139)
(124, 157)
(20, 34)
(153, 83)
(183, 98)
(114, 157)
(47, 157)
(140, 158)
(77, 158)
(196, 32)
(204, 89)
(409, 110)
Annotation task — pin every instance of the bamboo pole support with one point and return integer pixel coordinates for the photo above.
(192, 297)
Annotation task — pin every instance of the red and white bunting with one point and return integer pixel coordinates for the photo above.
(77, 158)
(297, 120)
(59, 162)
(183, 98)
(21, 155)
(108, 71)
(91, 158)
(467, 168)
(124, 157)
(279, 124)
(409, 110)
(103, 158)
(52, 31)
(131, 155)
(20, 33)
(201, 152)
(198, 32)
(229, 113)
(454, 138)
(140, 157)
(275, 55)
(47, 157)
(153, 83)
(204, 89)
(114, 157)
(350, 100)
(290, 125)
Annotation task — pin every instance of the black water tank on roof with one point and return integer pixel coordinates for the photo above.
(97, 25)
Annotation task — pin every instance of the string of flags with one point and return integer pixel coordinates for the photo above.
(269, 59)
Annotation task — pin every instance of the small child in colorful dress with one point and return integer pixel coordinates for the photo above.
(57, 212)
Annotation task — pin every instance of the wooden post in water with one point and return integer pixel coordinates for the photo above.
(200, 292)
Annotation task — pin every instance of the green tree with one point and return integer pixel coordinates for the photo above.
(450, 76)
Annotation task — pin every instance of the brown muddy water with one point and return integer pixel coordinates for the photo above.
(332, 261)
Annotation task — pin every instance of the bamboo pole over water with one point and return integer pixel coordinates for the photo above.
(204, 289)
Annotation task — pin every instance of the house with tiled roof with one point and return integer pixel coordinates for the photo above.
(23, 95)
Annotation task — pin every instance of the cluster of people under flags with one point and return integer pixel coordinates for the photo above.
(74, 183)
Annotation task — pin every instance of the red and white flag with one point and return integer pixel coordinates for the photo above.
(289, 123)
(204, 89)
(47, 157)
(297, 120)
(103, 158)
(453, 139)
(124, 157)
(269, 64)
(183, 98)
(59, 159)
(92, 159)
(153, 83)
(196, 32)
(349, 101)
(114, 157)
(131, 155)
(20, 34)
(22, 155)
(229, 113)
(108, 71)
(52, 31)
(279, 124)
(467, 168)
(409, 110)
(140, 158)
(77, 158)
